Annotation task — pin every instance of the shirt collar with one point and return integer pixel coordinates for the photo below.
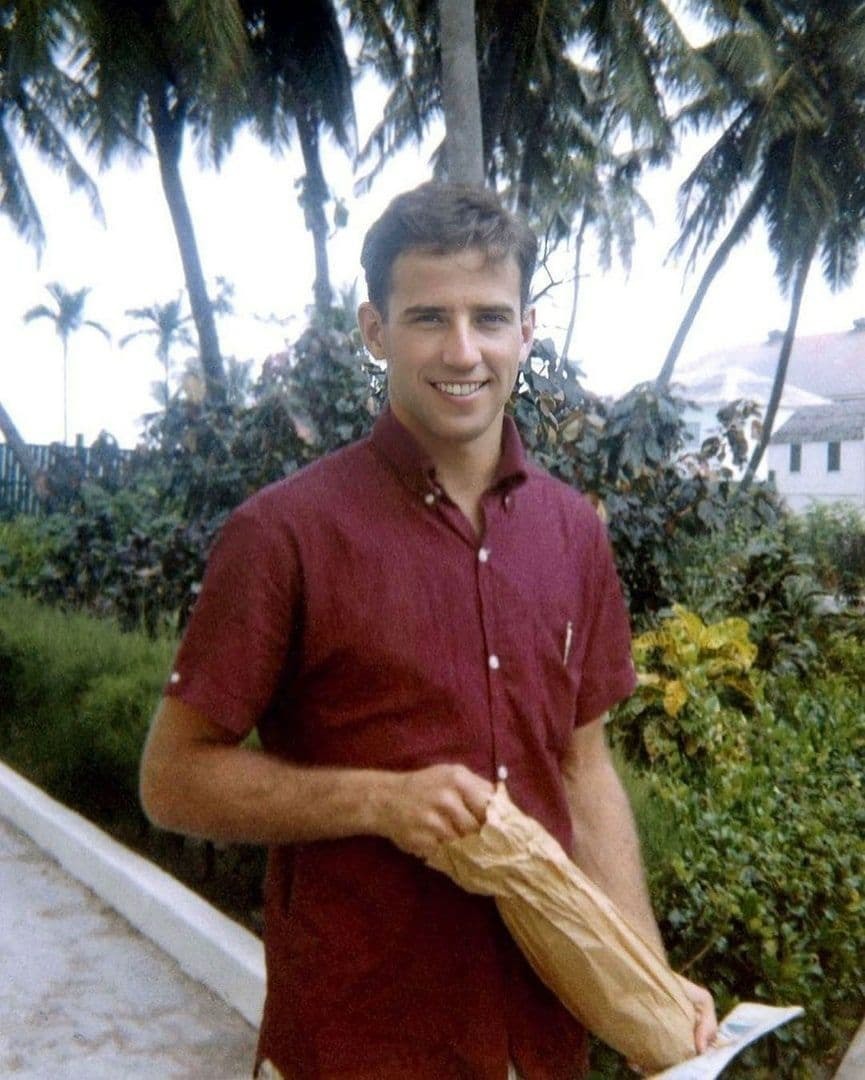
(415, 469)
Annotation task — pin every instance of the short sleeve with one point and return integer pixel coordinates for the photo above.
(244, 622)
(608, 674)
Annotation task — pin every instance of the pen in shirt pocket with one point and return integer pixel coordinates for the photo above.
(569, 635)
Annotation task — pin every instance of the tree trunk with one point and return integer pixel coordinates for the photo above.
(780, 373)
(19, 448)
(315, 195)
(740, 227)
(65, 391)
(461, 98)
(575, 296)
(168, 136)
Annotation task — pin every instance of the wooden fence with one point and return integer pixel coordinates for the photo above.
(62, 465)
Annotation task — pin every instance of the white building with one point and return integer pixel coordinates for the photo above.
(824, 394)
(818, 455)
(708, 392)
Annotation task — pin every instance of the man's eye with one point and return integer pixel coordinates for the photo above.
(493, 318)
(428, 317)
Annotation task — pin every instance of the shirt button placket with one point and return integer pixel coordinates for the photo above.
(494, 664)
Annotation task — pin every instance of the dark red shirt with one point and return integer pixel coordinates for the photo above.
(352, 613)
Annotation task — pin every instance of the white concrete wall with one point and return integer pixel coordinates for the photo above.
(814, 483)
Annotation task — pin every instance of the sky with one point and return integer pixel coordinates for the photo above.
(250, 231)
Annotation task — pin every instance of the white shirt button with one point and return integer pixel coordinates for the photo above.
(502, 772)
(483, 554)
(494, 662)
(175, 677)
(429, 498)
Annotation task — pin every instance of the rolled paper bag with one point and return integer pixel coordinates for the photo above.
(604, 972)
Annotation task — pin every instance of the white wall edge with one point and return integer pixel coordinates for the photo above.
(209, 946)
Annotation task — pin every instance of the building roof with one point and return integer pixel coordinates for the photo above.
(735, 382)
(829, 365)
(839, 422)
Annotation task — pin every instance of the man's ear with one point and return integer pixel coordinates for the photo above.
(371, 326)
(527, 331)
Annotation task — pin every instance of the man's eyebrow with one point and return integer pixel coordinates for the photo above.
(433, 309)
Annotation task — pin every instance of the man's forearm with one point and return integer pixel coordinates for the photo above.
(196, 779)
(236, 794)
(606, 843)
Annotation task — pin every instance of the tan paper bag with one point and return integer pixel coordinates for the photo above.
(574, 937)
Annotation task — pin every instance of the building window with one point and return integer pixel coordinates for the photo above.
(772, 477)
(833, 459)
(795, 457)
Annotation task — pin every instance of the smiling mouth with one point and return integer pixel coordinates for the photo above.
(461, 389)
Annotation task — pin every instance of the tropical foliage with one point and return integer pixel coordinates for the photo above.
(760, 780)
(744, 741)
(787, 95)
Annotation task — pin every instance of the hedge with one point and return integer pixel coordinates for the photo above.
(76, 698)
(747, 787)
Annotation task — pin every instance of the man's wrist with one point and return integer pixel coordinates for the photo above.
(378, 792)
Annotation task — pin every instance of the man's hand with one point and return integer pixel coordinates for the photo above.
(706, 1026)
(428, 807)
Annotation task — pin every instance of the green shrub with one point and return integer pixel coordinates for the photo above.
(77, 698)
(833, 537)
(761, 897)
(760, 576)
(694, 679)
(21, 551)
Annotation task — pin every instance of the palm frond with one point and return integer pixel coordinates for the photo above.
(16, 199)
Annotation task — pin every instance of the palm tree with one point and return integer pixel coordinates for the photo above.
(170, 327)
(155, 70)
(535, 95)
(300, 80)
(38, 103)
(790, 88)
(461, 100)
(604, 189)
(67, 317)
(572, 105)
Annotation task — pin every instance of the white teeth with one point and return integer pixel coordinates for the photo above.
(459, 389)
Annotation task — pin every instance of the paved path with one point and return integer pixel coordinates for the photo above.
(853, 1065)
(83, 996)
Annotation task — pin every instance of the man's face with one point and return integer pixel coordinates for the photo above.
(453, 339)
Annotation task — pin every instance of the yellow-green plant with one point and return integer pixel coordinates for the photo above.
(696, 690)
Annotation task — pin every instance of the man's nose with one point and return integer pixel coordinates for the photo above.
(461, 347)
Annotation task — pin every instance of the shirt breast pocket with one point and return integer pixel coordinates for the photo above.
(557, 660)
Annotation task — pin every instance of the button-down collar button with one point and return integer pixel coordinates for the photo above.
(494, 662)
(502, 772)
(175, 677)
(508, 502)
(483, 554)
(429, 498)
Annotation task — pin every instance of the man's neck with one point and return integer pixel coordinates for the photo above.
(468, 470)
(465, 469)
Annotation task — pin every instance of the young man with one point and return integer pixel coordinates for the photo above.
(406, 622)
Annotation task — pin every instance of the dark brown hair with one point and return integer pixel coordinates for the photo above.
(441, 219)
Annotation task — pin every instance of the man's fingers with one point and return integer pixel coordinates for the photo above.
(465, 808)
(706, 1025)
(476, 794)
(706, 1028)
(434, 805)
